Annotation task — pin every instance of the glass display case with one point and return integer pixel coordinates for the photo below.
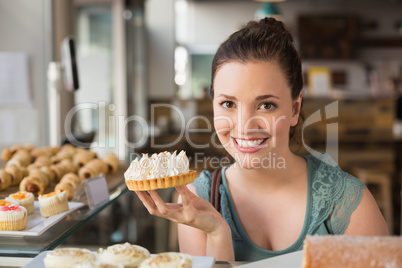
(30, 246)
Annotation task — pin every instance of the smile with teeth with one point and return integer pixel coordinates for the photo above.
(249, 143)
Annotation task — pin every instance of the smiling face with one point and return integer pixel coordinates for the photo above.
(253, 111)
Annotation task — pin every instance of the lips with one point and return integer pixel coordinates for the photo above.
(249, 145)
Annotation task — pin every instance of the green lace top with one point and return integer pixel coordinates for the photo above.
(332, 196)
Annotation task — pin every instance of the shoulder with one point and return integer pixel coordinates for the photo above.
(202, 184)
(367, 218)
(335, 193)
(325, 173)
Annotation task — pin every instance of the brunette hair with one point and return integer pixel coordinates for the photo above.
(265, 40)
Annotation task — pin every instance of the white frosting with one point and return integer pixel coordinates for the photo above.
(159, 165)
(168, 260)
(125, 254)
(13, 215)
(67, 257)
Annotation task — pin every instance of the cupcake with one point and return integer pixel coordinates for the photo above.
(4, 202)
(67, 257)
(25, 199)
(168, 259)
(12, 217)
(125, 254)
(53, 203)
(161, 170)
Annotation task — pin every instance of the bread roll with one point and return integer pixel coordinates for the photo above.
(67, 151)
(16, 173)
(168, 259)
(33, 185)
(93, 168)
(27, 147)
(46, 151)
(332, 251)
(40, 175)
(71, 178)
(58, 172)
(126, 254)
(23, 156)
(16, 162)
(98, 165)
(83, 157)
(51, 175)
(68, 166)
(66, 187)
(5, 179)
(42, 161)
(112, 161)
(67, 257)
(6, 154)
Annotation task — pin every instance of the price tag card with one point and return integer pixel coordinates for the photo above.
(96, 190)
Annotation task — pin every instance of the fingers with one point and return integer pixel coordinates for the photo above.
(184, 193)
(160, 204)
(155, 205)
(147, 201)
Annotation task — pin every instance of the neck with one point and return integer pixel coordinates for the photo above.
(277, 172)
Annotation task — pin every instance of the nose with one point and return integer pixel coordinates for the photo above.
(249, 120)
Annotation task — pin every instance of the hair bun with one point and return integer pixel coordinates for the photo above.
(276, 26)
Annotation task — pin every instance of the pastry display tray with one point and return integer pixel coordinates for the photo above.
(36, 224)
(198, 261)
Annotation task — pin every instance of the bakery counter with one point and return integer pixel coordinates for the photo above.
(28, 246)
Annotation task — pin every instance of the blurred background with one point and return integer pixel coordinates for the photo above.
(144, 75)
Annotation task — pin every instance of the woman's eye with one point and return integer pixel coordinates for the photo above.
(267, 106)
(227, 104)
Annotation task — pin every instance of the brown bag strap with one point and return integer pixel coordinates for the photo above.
(215, 197)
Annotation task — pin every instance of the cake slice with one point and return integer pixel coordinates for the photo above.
(332, 251)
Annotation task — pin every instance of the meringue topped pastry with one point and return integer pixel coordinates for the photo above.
(161, 170)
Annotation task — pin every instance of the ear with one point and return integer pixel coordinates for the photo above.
(296, 109)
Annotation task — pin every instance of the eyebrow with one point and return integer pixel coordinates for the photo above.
(262, 97)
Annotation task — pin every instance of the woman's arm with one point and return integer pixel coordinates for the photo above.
(202, 230)
(367, 218)
(198, 243)
(217, 243)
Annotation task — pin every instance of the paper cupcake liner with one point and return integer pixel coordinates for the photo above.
(30, 207)
(53, 210)
(13, 225)
(160, 183)
(53, 205)
(13, 220)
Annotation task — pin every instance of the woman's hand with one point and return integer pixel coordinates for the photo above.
(193, 210)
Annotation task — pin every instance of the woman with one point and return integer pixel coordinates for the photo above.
(271, 198)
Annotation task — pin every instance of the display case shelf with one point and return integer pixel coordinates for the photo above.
(30, 246)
